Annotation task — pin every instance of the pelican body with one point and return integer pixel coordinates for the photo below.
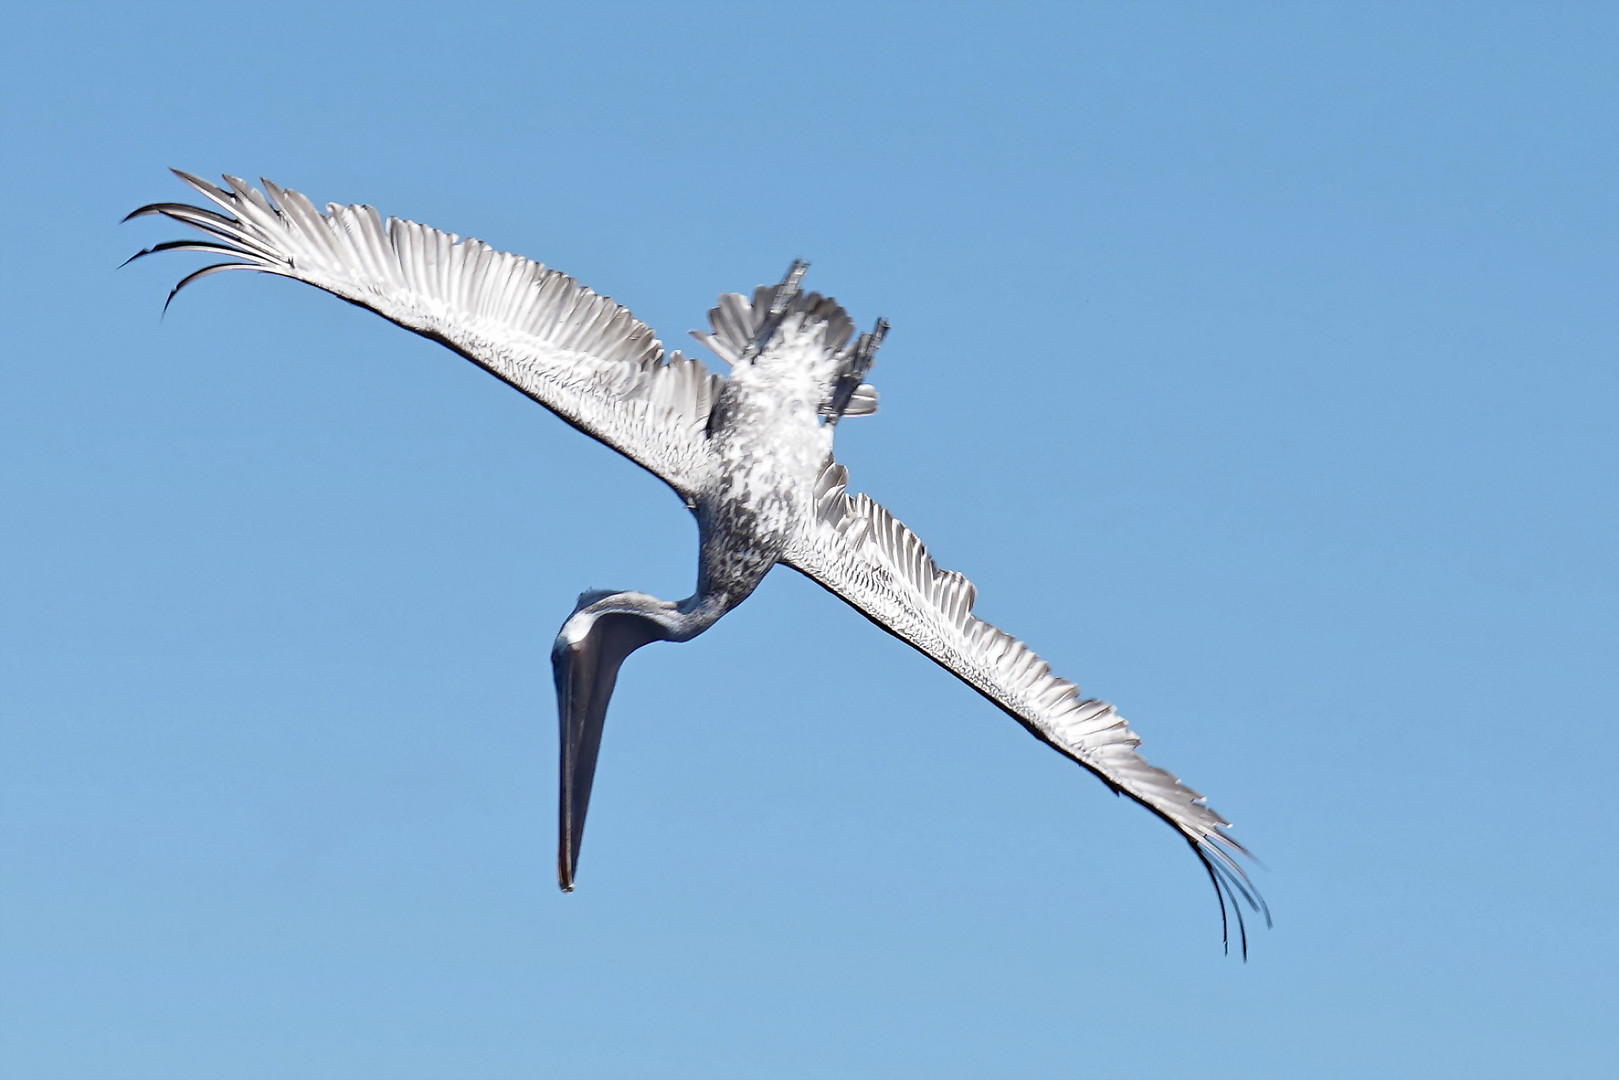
(771, 434)
(750, 455)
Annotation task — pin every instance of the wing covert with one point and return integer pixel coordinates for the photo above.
(579, 354)
(857, 550)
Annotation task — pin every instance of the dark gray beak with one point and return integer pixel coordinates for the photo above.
(586, 670)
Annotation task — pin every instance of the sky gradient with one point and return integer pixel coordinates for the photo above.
(1257, 362)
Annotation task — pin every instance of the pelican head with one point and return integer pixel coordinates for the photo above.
(605, 627)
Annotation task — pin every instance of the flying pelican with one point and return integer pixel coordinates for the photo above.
(749, 455)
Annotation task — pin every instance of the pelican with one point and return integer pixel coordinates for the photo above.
(750, 455)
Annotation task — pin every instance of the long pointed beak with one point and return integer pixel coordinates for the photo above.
(586, 670)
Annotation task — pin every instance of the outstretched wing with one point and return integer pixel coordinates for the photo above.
(580, 355)
(857, 550)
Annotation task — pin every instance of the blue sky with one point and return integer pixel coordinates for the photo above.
(1258, 363)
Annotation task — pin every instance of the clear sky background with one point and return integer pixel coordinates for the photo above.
(1258, 362)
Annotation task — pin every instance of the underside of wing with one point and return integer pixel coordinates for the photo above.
(581, 355)
(859, 551)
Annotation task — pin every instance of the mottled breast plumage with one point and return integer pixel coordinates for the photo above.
(770, 445)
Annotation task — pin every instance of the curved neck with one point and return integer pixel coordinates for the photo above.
(653, 619)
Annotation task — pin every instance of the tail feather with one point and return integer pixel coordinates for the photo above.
(740, 325)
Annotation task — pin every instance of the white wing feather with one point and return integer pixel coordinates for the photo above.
(580, 355)
(857, 550)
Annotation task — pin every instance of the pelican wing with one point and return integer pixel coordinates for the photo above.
(857, 550)
(580, 355)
